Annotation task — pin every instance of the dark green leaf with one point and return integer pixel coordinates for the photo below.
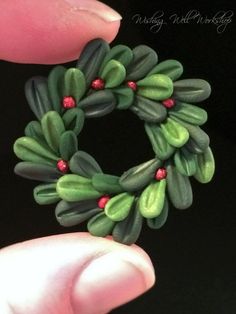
(98, 104)
(179, 188)
(34, 171)
(121, 53)
(161, 147)
(151, 201)
(138, 177)
(106, 183)
(74, 120)
(45, 194)
(92, 57)
(124, 97)
(36, 92)
(100, 225)
(68, 145)
(71, 214)
(34, 130)
(159, 221)
(28, 149)
(189, 113)
(185, 162)
(74, 188)
(171, 68)
(156, 87)
(148, 110)
(144, 59)
(192, 90)
(55, 87)
(205, 167)
(52, 127)
(84, 165)
(128, 230)
(118, 207)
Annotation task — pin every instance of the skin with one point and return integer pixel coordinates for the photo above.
(71, 273)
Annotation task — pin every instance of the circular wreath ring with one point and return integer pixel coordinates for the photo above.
(105, 79)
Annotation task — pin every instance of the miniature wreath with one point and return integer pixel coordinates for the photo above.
(105, 79)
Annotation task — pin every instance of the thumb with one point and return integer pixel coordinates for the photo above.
(54, 31)
(72, 273)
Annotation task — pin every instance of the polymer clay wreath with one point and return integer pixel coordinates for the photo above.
(105, 79)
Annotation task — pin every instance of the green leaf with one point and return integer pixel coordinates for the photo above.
(71, 214)
(52, 127)
(74, 188)
(151, 201)
(100, 225)
(124, 97)
(139, 176)
(206, 167)
(185, 162)
(68, 145)
(118, 207)
(171, 68)
(113, 74)
(84, 165)
(28, 149)
(34, 171)
(36, 92)
(148, 110)
(144, 59)
(120, 53)
(74, 120)
(34, 130)
(175, 134)
(128, 230)
(92, 57)
(55, 87)
(156, 87)
(45, 194)
(159, 221)
(189, 113)
(98, 104)
(106, 183)
(161, 147)
(196, 134)
(74, 84)
(179, 188)
(191, 90)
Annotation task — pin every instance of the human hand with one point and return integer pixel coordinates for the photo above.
(72, 273)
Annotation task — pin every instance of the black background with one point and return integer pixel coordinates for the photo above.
(194, 253)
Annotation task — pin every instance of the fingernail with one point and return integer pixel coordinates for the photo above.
(108, 282)
(97, 8)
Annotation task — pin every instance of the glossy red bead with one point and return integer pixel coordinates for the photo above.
(63, 166)
(132, 85)
(68, 102)
(161, 174)
(98, 84)
(168, 103)
(103, 201)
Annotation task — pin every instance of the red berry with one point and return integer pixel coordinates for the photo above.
(168, 103)
(161, 174)
(132, 85)
(68, 102)
(103, 201)
(63, 166)
(98, 84)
